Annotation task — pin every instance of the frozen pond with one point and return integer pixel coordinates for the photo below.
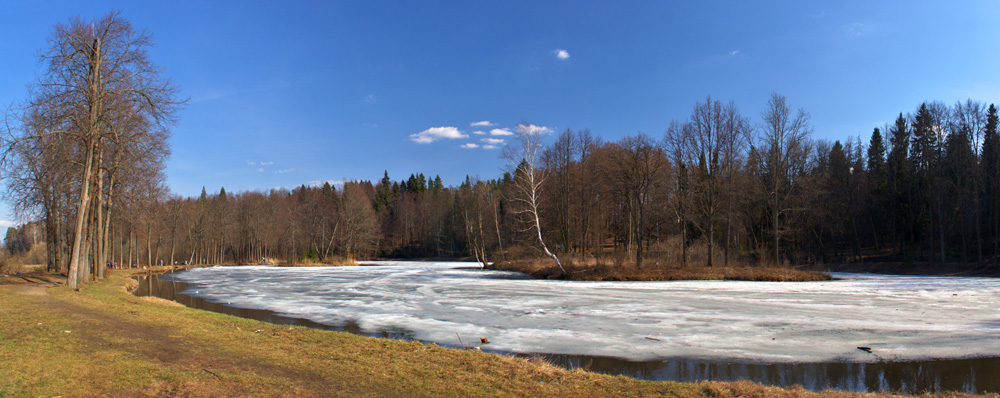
(901, 318)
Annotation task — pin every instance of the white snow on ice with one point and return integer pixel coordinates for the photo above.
(899, 317)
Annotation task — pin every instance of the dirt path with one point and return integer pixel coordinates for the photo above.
(105, 332)
(45, 279)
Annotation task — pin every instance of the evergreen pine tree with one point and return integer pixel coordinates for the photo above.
(898, 181)
(923, 159)
(383, 193)
(877, 186)
(876, 155)
(990, 169)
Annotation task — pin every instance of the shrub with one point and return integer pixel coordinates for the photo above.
(10, 265)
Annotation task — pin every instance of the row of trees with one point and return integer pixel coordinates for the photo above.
(767, 191)
(90, 140)
(87, 151)
(717, 188)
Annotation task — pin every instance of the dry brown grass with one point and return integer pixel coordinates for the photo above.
(269, 261)
(31, 261)
(11, 265)
(621, 267)
(37, 254)
(102, 341)
(159, 301)
(329, 262)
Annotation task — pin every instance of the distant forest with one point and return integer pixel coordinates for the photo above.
(715, 189)
(84, 155)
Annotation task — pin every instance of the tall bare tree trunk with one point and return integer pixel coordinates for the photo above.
(100, 254)
(106, 257)
(82, 206)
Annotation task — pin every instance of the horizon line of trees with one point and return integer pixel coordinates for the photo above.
(85, 155)
(717, 189)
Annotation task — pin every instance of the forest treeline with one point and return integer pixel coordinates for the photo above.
(715, 189)
(85, 156)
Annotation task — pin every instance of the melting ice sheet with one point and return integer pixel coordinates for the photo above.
(899, 317)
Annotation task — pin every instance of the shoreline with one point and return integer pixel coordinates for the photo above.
(544, 269)
(813, 376)
(152, 347)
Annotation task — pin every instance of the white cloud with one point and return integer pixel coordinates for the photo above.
(856, 29)
(283, 171)
(493, 141)
(262, 163)
(562, 54)
(489, 147)
(252, 163)
(733, 53)
(470, 145)
(484, 123)
(501, 132)
(436, 133)
(533, 129)
(479, 132)
(261, 169)
(7, 224)
(369, 125)
(371, 99)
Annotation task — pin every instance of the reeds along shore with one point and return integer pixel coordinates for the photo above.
(658, 266)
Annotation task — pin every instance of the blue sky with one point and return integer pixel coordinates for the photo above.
(290, 93)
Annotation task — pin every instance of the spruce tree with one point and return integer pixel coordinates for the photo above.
(877, 186)
(838, 192)
(990, 169)
(383, 193)
(923, 158)
(898, 181)
(876, 155)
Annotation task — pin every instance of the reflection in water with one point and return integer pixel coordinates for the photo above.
(977, 375)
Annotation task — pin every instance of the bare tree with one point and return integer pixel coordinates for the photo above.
(677, 152)
(97, 74)
(635, 167)
(360, 220)
(969, 118)
(714, 131)
(37, 178)
(779, 156)
(560, 158)
(585, 195)
(523, 160)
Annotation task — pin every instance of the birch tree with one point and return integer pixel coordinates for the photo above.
(524, 159)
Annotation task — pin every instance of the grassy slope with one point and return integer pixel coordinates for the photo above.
(104, 342)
